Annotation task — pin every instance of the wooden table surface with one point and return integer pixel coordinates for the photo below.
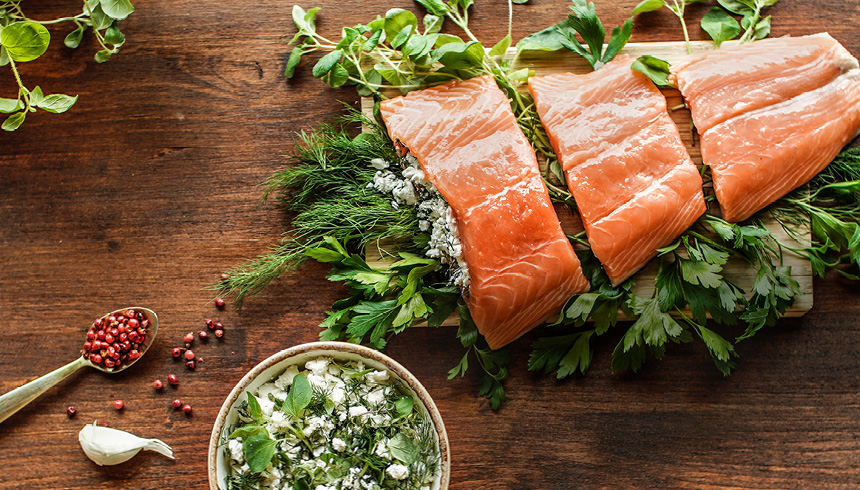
(148, 188)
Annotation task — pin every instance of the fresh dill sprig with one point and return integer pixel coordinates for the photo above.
(327, 189)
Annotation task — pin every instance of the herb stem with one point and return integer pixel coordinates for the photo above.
(750, 32)
(21, 89)
(57, 21)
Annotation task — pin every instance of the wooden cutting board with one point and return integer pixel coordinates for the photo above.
(736, 270)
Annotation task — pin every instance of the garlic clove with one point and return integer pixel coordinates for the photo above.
(107, 446)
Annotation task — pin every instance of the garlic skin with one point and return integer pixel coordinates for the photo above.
(106, 446)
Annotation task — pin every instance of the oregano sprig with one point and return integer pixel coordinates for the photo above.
(23, 40)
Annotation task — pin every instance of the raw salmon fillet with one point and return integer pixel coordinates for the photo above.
(771, 114)
(631, 177)
(470, 147)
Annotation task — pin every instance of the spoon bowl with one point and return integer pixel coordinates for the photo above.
(19, 397)
(150, 337)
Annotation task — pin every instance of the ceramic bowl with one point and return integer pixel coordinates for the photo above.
(272, 366)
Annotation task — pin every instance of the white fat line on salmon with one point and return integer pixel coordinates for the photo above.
(435, 216)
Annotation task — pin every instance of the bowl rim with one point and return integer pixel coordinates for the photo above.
(341, 347)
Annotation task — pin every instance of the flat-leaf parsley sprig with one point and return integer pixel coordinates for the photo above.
(23, 39)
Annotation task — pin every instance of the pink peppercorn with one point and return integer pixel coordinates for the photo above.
(118, 404)
(187, 409)
(172, 379)
(177, 403)
(157, 384)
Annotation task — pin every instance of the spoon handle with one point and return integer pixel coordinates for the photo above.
(19, 397)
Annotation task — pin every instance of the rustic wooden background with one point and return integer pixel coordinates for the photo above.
(148, 188)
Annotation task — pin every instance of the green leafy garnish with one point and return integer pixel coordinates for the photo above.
(720, 25)
(676, 6)
(584, 21)
(654, 68)
(755, 27)
(259, 450)
(23, 40)
(402, 448)
(298, 397)
(493, 363)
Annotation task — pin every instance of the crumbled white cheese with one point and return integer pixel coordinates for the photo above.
(237, 452)
(317, 380)
(357, 411)
(278, 423)
(379, 164)
(318, 366)
(397, 471)
(381, 449)
(338, 444)
(375, 397)
(271, 389)
(435, 216)
(285, 380)
(378, 377)
(266, 405)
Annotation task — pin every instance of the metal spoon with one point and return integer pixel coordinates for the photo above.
(19, 397)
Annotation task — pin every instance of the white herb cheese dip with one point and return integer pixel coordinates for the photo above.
(331, 425)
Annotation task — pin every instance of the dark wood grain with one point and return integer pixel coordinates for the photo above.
(147, 189)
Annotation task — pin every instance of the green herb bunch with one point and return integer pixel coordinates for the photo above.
(718, 23)
(326, 190)
(691, 287)
(23, 39)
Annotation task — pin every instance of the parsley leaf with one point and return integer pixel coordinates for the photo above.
(584, 21)
(654, 68)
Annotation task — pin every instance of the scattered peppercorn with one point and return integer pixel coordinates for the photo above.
(157, 384)
(177, 352)
(177, 403)
(190, 365)
(219, 333)
(71, 411)
(203, 335)
(189, 355)
(218, 326)
(189, 338)
(187, 409)
(219, 302)
(210, 324)
(172, 379)
(103, 423)
(118, 404)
